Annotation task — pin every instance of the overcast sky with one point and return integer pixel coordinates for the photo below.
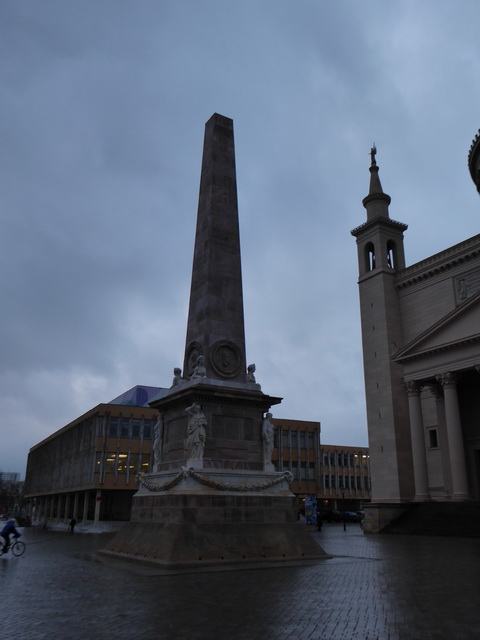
(102, 111)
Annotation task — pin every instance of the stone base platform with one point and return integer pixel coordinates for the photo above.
(195, 525)
(177, 546)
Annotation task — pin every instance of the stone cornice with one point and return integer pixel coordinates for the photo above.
(440, 262)
(377, 220)
(438, 349)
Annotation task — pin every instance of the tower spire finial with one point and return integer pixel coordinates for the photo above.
(376, 203)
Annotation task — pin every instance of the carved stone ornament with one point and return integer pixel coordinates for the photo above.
(193, 351)
(267, 438)
(157, 444)
(226, 358)
(177, 378)
(412, 387)
(196, 432)
(199, 371)
(448, 379)
(214, 483)
(467, 285)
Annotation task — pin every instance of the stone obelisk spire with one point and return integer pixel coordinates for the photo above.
(215, 328)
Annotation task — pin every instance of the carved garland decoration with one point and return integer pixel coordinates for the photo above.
(215, 484)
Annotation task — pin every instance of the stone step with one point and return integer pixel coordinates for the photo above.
(460, 519)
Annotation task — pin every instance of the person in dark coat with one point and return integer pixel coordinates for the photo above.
(319, 522)
(8, 530)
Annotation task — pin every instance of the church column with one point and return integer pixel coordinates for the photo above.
(455, 438)
(420, 472)
(437, 391)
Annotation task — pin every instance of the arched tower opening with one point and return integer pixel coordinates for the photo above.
(391, 254)
(369, 255)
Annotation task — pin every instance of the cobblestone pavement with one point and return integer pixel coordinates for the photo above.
(374, 588)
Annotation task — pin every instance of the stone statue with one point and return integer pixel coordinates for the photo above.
(177, 378)
(267, 436)
(251, 373)
(196, 432)
(200, 370)
(157, 443)
(373, 153)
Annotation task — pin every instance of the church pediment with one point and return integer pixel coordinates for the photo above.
(459, 327)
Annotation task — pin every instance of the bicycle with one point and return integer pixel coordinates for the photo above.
(17, 548)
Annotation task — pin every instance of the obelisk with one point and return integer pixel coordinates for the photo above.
(215, 327)
(215, 369)
(213, 496)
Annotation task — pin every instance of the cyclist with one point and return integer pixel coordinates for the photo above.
(9, 529)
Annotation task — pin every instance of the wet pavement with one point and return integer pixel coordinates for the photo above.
(374, 588)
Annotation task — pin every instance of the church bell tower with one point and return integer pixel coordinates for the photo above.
(380, 255)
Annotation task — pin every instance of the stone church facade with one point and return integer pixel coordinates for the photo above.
(421, 348)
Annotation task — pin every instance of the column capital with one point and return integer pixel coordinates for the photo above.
(412, 387)
(448, 379)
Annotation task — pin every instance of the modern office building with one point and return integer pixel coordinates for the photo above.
(421, 349)
(87, 469)
(338, 476)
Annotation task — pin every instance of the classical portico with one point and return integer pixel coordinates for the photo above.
(450, 443)
(442, 380)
